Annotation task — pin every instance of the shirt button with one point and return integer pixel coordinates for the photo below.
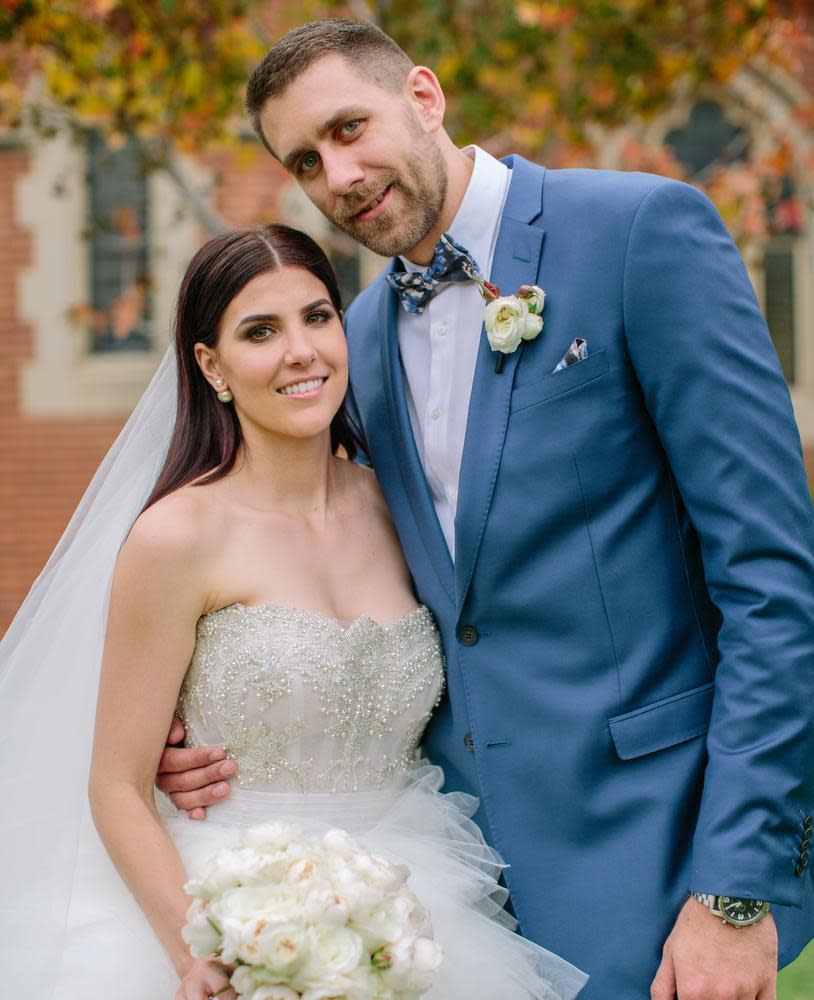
(441, 329)
(436, 413)
(469, 743)
(468, 635)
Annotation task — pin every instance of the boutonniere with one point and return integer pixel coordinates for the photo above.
(509, 319)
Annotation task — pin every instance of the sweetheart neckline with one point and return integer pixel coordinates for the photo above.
(310, 613)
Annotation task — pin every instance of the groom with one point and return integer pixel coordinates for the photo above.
(613, 530)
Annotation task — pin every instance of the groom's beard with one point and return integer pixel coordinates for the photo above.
(419, 198)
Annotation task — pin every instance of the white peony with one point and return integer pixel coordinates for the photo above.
(277, 992)
(332, 952)
(199, 932)
(246, 979)
(226, 870)
(341, 844)
(324, 904)
(282, 948)
(427, 958)
(272, 836)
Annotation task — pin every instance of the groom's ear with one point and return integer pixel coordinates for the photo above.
(426, 96)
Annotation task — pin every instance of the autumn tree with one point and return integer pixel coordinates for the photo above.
(548, 79)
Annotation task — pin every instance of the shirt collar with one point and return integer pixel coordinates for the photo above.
(476, 222)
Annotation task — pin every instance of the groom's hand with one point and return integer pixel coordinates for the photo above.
(193, 777)
(705, 959)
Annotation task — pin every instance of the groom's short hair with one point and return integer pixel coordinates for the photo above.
(366, 47)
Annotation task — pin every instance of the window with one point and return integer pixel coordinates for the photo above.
(707, 138)
(119, 313)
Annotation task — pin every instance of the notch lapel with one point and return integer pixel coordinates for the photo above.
(516, 262)
(405, 449)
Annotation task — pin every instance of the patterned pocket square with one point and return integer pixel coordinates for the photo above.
(578, 351)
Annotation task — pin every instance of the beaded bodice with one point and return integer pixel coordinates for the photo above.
(303, 703)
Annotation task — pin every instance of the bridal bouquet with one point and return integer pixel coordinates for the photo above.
(311, 917)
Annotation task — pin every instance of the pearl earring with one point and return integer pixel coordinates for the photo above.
(225, 395)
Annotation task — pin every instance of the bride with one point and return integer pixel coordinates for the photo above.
(255, 587)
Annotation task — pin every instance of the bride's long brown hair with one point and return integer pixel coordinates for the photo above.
(207, 435)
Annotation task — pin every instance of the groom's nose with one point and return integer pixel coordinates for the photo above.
(342, 171)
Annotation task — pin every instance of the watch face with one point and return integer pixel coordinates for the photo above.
(741, 912)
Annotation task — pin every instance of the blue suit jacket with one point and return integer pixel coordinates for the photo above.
(634, 552)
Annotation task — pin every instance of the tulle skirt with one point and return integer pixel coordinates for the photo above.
(112, 954)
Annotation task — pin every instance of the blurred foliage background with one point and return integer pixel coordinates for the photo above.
(546, 79)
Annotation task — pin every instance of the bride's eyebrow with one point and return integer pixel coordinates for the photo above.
(273, 317)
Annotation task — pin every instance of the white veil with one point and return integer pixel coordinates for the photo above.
(49, 673)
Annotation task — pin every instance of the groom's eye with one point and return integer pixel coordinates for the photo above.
(309, 161)
(349, 128)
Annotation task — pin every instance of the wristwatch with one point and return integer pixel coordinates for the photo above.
(734, 910)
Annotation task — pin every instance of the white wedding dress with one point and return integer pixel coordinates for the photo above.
(324, 720)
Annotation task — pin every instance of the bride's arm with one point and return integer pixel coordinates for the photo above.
(158, 594)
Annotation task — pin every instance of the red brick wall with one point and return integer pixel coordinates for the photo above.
(45, 464)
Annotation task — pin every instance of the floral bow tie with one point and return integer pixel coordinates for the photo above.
(450, 262)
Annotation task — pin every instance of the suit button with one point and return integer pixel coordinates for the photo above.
(469, 743)
(468, 635)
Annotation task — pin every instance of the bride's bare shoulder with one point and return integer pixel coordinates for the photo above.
(183, 525)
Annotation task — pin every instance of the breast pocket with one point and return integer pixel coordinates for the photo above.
(557, 383)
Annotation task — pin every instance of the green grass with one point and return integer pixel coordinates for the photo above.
(796, 981)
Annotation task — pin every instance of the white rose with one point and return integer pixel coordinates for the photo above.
(532, 327)
(505, 319)
(227, 869)
(357, 895)
(412, 963)
(340, 843)
(379, 873)
(332, 952)
(199, 932)
(365, 984)
(282, 948)
(272, 836)
(323, 904)
(248, 978)
(534, 297)
(380, 925)
(242, 915)
(427, 957)
(273, 903)
(336, 989)
(277, 992)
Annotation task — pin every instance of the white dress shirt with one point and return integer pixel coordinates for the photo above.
(439, 347)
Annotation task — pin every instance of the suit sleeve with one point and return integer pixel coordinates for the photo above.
(713, 386)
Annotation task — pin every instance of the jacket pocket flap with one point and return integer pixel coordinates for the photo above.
(663, 723)
(556, 383)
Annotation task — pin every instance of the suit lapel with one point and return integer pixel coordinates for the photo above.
(406, 452)
(516, 262)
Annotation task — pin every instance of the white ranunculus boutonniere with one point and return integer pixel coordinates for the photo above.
(510, 319)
